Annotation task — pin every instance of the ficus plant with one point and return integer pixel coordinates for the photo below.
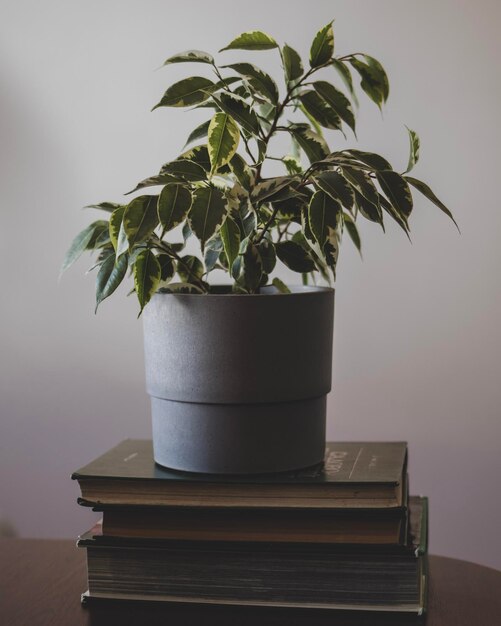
(216, 191)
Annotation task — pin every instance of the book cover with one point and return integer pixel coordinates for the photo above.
(360, 474)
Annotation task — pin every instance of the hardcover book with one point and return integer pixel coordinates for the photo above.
(273, 574)
(353, 475)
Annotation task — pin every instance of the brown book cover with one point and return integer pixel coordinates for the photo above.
(353, 475)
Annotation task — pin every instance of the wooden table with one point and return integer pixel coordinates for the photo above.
(41, 582)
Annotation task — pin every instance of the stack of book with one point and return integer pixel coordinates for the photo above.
(341, 535)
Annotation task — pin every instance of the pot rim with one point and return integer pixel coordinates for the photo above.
(296, 290)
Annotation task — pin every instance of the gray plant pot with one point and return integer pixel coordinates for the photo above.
(238, 383)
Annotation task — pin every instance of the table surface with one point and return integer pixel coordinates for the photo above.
(41, 582)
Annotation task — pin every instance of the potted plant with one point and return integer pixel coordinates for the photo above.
(238, 374)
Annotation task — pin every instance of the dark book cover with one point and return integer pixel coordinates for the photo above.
(273, 574)
(370, 474)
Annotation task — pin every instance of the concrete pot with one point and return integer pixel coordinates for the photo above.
(238, 383)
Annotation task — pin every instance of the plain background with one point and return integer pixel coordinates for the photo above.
(417, 335)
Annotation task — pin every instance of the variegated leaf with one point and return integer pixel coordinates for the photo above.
(313, 145)
(153, 181)
(190, 268)
(147, 275)
(239, 110)
(223, 138)
(397, 191)
(336, 186)
(187, 92)
(140, 219)
(280, 286)
(352, 231)
(242, 171)
(110, 275)
(191, 56)
(414, 145)
(198, 133)
(81, 243)
(115, 225)
(324, 215)
(320, 110)
(185, 169)
(252, 40)
(207, 212)
(337, 100)
(174, 204)
(428, 193)
(230, 236)
(258, 80)
(322, 47)
(293, 66)
(295, 257)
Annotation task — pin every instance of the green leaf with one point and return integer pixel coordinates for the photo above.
(369, 210)
(397, 191)
(187, 92)
(115, 225)
(324, 215)
(322, 47)
(414, 145)
(258, 80)
(167, 268)
(213, 250)
(344, 72)
(185, 169)
(230, 236)
(374, 80)
(191, 56)
(110, 275)
(239, 110)
(198, 133)
(241, 171)
(428, 193)
(252, 40)
(190, 267)
(371, 159)
(376, 66)
(294, 257)
(280, 286)
(352, 231)
(337, 100)
(293, 165)
(336, 186)
(251, 270)
(153, 181)
(293, 66)
(80, 243)
(174, 204)
(140, 219)
(399, 218)
(109, 207)
(313, 145)
(320, 110)
(223, 139)
(269, 187)
(362, 182)
(147, 275)
(266, 249)
(198, 155)
(207, 212)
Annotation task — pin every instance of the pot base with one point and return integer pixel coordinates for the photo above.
(238, 438)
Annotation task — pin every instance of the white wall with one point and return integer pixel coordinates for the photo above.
(417, 339)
